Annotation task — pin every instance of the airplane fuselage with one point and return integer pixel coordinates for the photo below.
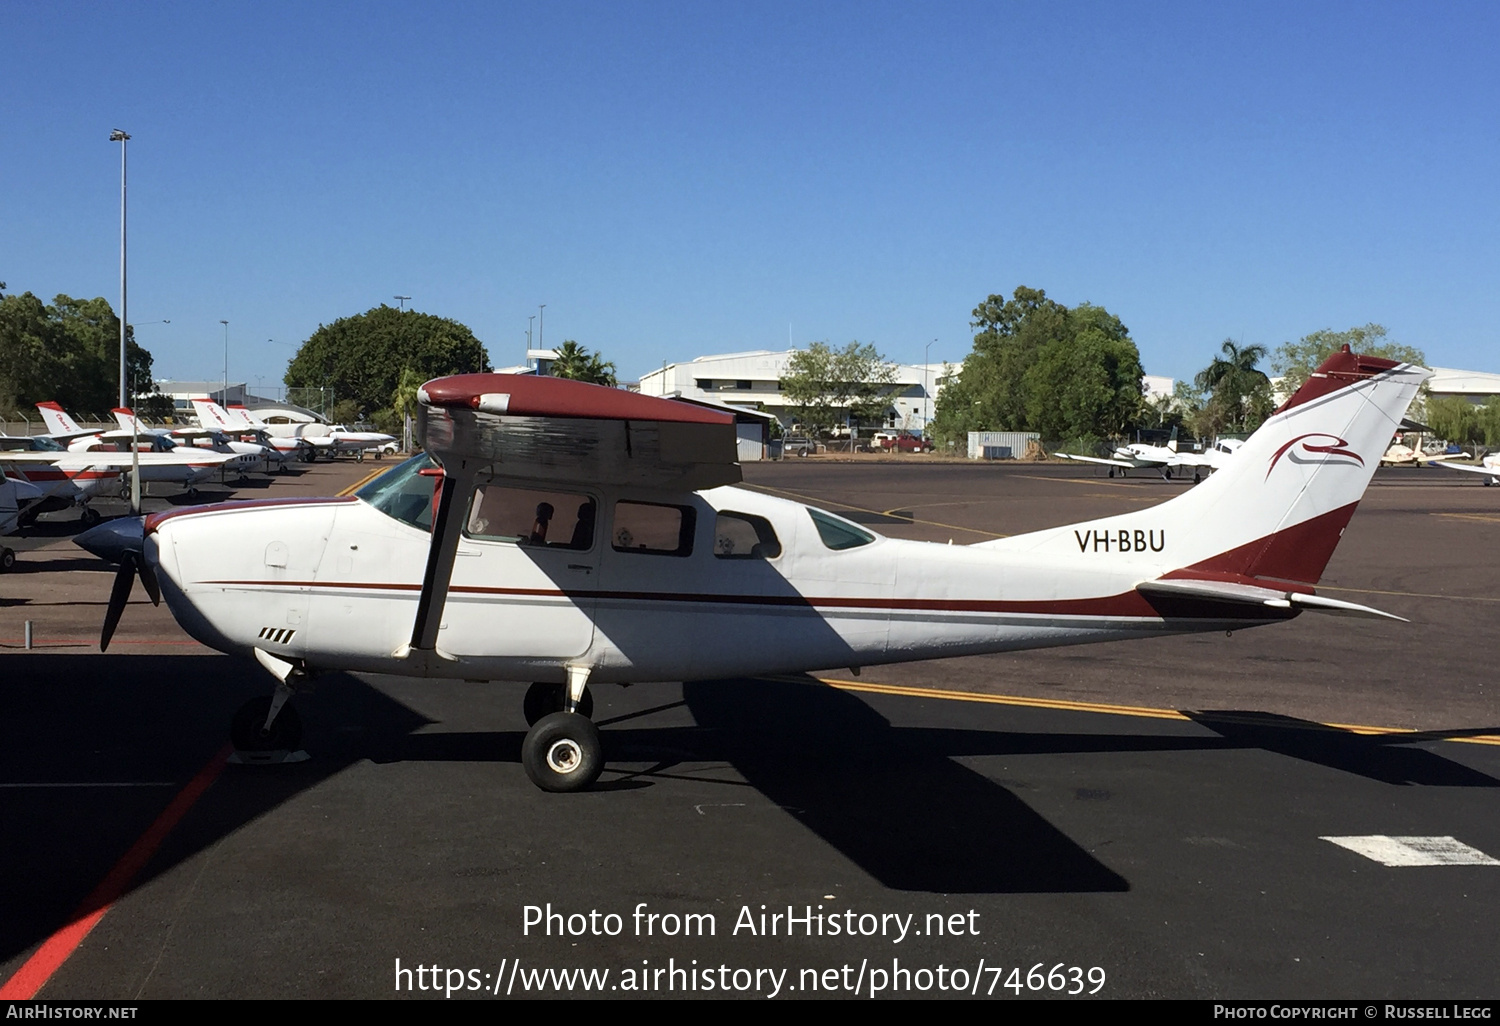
(703, 592)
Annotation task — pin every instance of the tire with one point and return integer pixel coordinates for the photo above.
(245, 730)
(7, 560)
(543, 699)
(90, 516)
(562, 753)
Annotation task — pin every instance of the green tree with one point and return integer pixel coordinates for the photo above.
(1038, 365)
(362, 357)
(826, 385)
(67, 352)
(1455, 419)
(1295, 361)
(576, 363)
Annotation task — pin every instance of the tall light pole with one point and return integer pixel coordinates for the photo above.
(401, 301)
(541, 327)
(926, 394)
(529, 321)
(124, 140)
(226, 361)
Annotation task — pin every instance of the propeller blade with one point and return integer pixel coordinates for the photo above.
(148, 580)
(118, 596)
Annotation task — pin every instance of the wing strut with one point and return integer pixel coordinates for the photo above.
(447, 529)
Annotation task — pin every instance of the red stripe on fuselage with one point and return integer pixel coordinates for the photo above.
(155, 520)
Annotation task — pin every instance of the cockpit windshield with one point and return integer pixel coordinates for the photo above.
(404, 492)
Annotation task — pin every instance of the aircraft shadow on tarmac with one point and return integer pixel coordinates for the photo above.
(891, 799)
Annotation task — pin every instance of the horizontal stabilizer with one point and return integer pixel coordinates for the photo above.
(1257, 595)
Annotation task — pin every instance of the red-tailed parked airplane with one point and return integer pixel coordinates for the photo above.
(570, 534)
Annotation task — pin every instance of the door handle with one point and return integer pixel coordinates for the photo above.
(581, 566)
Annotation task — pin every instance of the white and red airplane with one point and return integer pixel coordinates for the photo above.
(571, 535)
(243, 457)
(236, 423)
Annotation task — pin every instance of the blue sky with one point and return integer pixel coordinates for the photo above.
(676, 179)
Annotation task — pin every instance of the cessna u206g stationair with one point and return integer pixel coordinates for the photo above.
(571, 534)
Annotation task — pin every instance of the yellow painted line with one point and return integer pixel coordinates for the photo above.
(1035, 703)
(1101, 707)
(356, 486)
(1490, 518)
(1410, 594)
(844, 505)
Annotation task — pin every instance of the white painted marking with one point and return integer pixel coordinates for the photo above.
(1415, 851)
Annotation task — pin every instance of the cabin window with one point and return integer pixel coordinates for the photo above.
(837, 533)
(744, 536)
(527, 516)
(653, 528)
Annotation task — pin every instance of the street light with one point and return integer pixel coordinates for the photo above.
(124, 140)
(226, 361)
(541, 327)
(401, 301)
(529, 320)
(926, 394)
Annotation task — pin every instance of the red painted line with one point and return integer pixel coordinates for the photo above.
(59, 947)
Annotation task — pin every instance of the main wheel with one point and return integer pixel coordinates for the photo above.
(90, 516)
(7, 559)
(562, 752)
(543, 699)
(247, 729)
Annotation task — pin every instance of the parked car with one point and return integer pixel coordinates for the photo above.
(905, 443)
(798, 445)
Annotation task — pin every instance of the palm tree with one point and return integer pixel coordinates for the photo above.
(576, 362)
(1241, 393)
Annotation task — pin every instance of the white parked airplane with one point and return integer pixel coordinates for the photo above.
(1489, 467)
(237, 424)
(1165, 458)
(572, 534)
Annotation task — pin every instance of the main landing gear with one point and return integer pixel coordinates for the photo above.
(562, 751)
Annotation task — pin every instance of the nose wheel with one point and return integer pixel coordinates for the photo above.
(250, 733)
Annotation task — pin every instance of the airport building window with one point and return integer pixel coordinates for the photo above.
(839, 534)
(526, 516)
(744, 536)
(652, 528)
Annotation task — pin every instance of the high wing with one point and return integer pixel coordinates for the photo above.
(80, 461)
(1110, 462)
(561, 432)
(1489, 470)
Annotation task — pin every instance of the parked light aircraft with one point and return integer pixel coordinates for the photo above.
(327, 440)
(1165, 458)
(1489, 467)
(17, 498)
(245, 457)
(236, 424)
(572, 535)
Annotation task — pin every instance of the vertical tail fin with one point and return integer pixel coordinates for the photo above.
(57, 420)
(1280, 503)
